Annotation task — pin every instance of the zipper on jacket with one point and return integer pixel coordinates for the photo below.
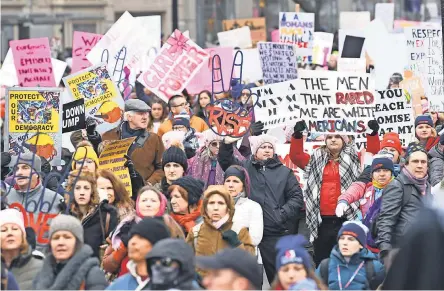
(263, 168)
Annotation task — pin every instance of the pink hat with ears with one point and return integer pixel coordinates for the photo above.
(162, 207)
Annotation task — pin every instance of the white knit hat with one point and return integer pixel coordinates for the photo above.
(171, 136)
(12, 215)
(209, 136)
(257, 141)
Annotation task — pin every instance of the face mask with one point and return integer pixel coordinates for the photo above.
(163, 277)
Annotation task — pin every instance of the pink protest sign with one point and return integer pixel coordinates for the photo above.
(202, 80)
(83, 42)
(32, 60)
(177, 63)
(275, 35)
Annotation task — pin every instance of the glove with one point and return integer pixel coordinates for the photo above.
(231, 238)
(373, 125)
(130, 165)
(341, 208)
(299, 127)
(91, 125)
(257, 128)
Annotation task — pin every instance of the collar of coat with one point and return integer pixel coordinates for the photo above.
(273, 162)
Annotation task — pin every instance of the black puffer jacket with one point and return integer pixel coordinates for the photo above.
(273, 186)
(402, 202)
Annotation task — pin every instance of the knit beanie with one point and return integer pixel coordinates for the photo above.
(85, 152)
(14, 216)
(172, 137)
(344, 138)
(291, 250)
(356, 229)
(31, 160)
(391, 139)
(162, 207)
(68, 223)
(151, 229)
(241, 173)
(209, 136)
(182, 119)
(414, 147)
(424, 119)
(194, 188)
(257, 141)
(382, 162)
(175, 155)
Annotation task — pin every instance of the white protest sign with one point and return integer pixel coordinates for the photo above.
(177, 63)
(434, 73)
(278, 62)
(342, 33)
(271, 99)
(239, 37)
(251, 68)
(153, 34)
(386, 13)
(352, 65)
(322, 45)
(354, 20)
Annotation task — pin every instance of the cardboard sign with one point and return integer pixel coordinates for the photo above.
(82, 44)
(240, 38)
(347, 65)
(74, 116)
(178, 62)
(322, 45)
(352, 47)
(32, 60)
(278, 62)
(386, 13)
(102, 99)
(251, 70)
(257, 27)
(33, 122)
(354, 20)
(298, 28)
(112, 159)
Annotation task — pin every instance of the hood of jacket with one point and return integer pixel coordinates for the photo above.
(132, 269)
(436, 153)
(220, 190)
(363, 254)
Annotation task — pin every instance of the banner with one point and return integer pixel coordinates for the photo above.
(322, 46)
(347, 65)
(74, 116)
(298, 28)
(178, 62)
(112, 159)
(354, 20)
(32, 60)
(386, 13)
(278, 62)
(257, 27)
(239, 37)
(33, 122)
(102, 99)
(82, 44)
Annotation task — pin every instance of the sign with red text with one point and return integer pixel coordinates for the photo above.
(178, 62)
(82, 44)
(32, 60)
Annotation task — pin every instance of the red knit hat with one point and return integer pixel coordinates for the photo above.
(391, 139)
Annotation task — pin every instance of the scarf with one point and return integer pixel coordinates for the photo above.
(378, 185)
(349, 171)
(127, 132)
(218, 224)
(420, 183)
(238, 196)
(188, 221)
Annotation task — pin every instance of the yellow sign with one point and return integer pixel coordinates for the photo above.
(112, 159)
(257, 27)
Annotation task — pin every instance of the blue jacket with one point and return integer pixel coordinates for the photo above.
(347, 270)
(129, 281)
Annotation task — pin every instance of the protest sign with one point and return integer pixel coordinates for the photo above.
(257, 27)
(322, 45)
(112, 159)
(352, 47)
(251, 69)
(102, 99)
(239, 37)
(275, 35)
(413, 85)
(153, 33)
(278, 62)
(82, 44)
(271, 99)
(400, 25)
(298, 29)
(74, 116)
(32, 60)
(354, 19)
(33, 122)
(434, 73)
(178, 62)
(386, 13)
(348, 65)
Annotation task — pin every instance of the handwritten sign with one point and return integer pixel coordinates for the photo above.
(386, 13)
(103, 101)
(322, 46)
(112, 158)
(348, 65)
(74, 115)
(32, 60)
(178, 62)
(434, 70)
(83, 42)
(33, 122)
(278, 62)
(354, 20)
(257, 27)
(413, 85)
(239, 37)
(298, 29)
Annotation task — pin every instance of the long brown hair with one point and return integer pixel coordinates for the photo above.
(310, 275)
(121, 196)
(73, 179)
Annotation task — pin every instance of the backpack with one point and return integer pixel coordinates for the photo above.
(369, 272)
(197, 227)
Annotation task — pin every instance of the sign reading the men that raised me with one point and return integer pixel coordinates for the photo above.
(74, 116)
(178, 62)
(278, 62)
(298, 29)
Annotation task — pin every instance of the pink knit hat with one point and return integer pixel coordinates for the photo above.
(162, 207)
(257, 141)
(14, 216)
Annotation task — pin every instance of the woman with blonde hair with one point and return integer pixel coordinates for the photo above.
(16, 252)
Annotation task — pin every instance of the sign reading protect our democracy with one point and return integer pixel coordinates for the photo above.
(278, 62)
(178, 62)
(102, 99)
(112, 158)
(33, 122)
(298, 28)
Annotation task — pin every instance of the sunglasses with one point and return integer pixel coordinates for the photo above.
(215, 144)
(245, 94)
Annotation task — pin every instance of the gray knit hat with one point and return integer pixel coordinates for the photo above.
(68, 223)
(30, 159)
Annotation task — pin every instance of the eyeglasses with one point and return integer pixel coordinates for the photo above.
(180, 105)
(245, 94)
(166, 262)
(215, 144)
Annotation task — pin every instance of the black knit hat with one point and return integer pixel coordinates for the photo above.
(194, 188)
(175, 155)
(152, 229)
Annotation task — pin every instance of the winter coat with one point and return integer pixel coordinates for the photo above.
(81, 270)
(347, 270)
(195, 122)
(398, 212)
(436, 165)
(24, 268)
(358, 191)
(273, 186)
(129, 281)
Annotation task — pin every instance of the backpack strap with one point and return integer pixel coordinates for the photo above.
(196, 230)
(323, 268)
(370, 273)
